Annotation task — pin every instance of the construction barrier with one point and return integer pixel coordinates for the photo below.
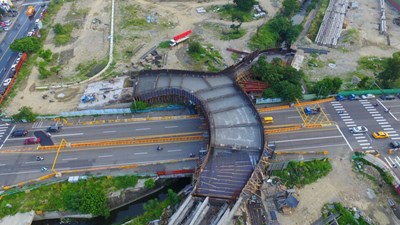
(325, 152)
(140, 119)
(127, 141)
(283, 129)
(314, 102)
(273, 108)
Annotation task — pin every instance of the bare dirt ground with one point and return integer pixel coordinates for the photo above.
(341, 185)
(369, 42)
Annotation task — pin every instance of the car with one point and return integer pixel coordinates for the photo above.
(39, 158)
(17, 60)
(388, 97)
(20, 54)
(43, 169)
(19, 133)
(29, 34)
(340, 98)
(32, 141)
(192, 155)
(367, 96)
(6, 28)
(359, 129)
(6, 82)
(13, 67)
(53, 129)
(395, 144)
(380, 135)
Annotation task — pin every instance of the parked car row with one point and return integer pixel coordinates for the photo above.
(5, 24)
(366, 96)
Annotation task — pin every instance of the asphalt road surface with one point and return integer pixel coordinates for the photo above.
(109, 131)
(375, 118)
(21, 25)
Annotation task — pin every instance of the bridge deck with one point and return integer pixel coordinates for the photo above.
(236, 133)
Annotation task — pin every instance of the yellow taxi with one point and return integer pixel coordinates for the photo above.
(268, 120)
(380, 135)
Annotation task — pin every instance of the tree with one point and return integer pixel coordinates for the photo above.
(327, 86)
(25, 113)
(59, 29)
(94, 201)
(149, 183)
(245, 5)
(26, 44)
(45, 54)
(365, 82)
(195, 47)
(138, 105)
(286, 30)
(290, 7)
(388, 77)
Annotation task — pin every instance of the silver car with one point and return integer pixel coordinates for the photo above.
(359, 129)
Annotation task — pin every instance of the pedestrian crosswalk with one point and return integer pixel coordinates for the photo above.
(361, 138)
(38, 124)
(383, 123)
(393, 161)
(3, 131)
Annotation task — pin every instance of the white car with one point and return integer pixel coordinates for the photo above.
(17, 60)
(29, 34)
(359, 129)
(367, 96)
(6, 28)
(13, 67)
(6, 82)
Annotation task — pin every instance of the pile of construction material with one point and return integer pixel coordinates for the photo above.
(332, 24)
(382, 24)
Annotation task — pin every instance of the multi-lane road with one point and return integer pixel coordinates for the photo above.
(18, 166)
(19, 28)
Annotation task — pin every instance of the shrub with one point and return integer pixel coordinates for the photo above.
(149, 183)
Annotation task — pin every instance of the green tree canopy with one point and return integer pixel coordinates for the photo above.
(388, 77)
(327, 86)
(245, 5)
(285, 29)
(26, 44)
(149, 183)
(290, 7)
(25, 113)
(284, 81)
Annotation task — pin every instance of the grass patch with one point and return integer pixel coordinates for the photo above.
(351, 36)
(373, 63)
(303, 173)
(66, 196)
(314, 62)
(164, 44)
(232, 35)
(205, 55)
(131, 18)
(63, 36)
(347, 216)
(314, 27)
(264, 38)
(227, 11)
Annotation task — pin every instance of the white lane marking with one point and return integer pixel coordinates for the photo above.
(348, 144)
(394, 135)
(307, 139)
(383, 123)
(380, 120)
(359, 141)
(31, 162)
(351, 125)
(386, 126)
(345, 117)
(363, 144)
(388, 129)
(371, 110)
(386, 109)
(65, 135)
(320, 146)
(175, 150)
(293, 117)
(377, 114)
(67, 159)
(175, 126)
(396, 138)
(3, 164)
(348, 120)
(357, 134)
(378, 117)
(344, 114)
(7, 136)
(143, 128)
(361, 137)
(105, 156)
(369, 147)
(337, 106)
(397, 161)
(391, 160)
(140, 153)
(388, 162)
(391, 132)
(109, 131)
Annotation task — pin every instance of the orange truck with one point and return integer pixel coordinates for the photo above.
(30, 11)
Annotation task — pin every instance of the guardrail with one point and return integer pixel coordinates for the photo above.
(273, 108)
(128, 141)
